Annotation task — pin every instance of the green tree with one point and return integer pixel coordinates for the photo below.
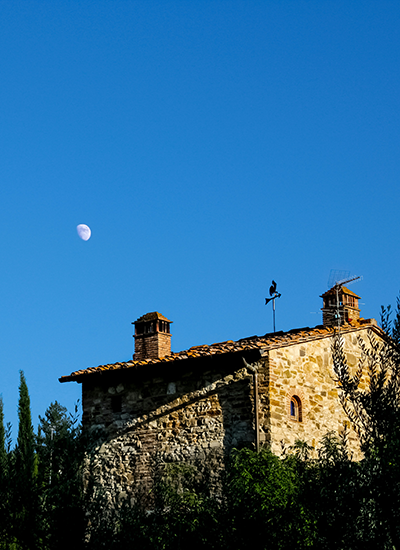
(265, 499)
(24, 499)
(3, 450)
(4, 482)
(333, 494)
(371, 398)
(26, 437)
(61, 448)
(55, 429)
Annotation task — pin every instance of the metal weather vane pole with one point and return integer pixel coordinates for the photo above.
(274, 294)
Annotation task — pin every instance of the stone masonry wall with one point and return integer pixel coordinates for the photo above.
(166, 419)
(306, 371)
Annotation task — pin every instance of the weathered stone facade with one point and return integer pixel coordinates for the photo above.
(200, 403)
(192, 412)
(305, 370)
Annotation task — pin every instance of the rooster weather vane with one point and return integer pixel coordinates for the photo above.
(274, 294)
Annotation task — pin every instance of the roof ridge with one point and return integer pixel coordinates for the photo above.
(269, 340)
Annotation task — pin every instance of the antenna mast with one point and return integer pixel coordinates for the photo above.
(274, 294)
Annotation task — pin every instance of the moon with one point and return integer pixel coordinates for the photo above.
(83, 231)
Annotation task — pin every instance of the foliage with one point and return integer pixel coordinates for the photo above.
(264, 496)
(371, 398)
(41, 488)
(3, 451)
(332, 495)
(61, 449)
(4, 526)
(176, 513)
(370, 395)
(26, 518)
(26, 438)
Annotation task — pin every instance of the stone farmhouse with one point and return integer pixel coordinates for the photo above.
(204, 401)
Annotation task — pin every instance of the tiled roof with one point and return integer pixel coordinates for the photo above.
(152, 317)
(264, 343)
(343, 289)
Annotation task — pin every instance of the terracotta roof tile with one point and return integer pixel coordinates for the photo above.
(269, 341)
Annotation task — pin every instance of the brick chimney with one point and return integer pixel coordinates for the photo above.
(152, 336)
(348, 306)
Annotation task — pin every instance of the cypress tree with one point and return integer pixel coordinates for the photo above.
(26, 503)
(26, 437)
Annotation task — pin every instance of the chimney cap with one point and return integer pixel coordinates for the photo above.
(342, 289)
(153, 316)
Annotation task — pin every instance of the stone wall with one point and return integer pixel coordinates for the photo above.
(190, 417)
(306, 370)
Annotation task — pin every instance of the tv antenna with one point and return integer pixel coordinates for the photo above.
(337, 275)
(274, 294)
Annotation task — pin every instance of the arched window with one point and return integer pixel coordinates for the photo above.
(295, 409)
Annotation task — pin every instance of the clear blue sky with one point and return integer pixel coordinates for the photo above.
(211, 146)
